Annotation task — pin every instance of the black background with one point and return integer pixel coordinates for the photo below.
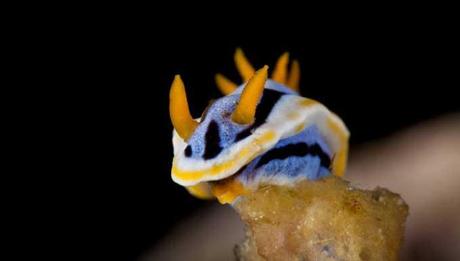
(379, 77)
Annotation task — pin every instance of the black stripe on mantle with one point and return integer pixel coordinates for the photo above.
(295, 150)
(264, 108)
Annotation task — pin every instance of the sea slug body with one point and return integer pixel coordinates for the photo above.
(261, 132)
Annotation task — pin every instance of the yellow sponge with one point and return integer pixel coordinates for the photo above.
(321, 220)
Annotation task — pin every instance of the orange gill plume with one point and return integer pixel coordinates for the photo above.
(243, 65)
(224, 84)
(280, 74)
(294, 76)
(179, 111)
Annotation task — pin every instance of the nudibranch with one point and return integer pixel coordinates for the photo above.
(261, 132)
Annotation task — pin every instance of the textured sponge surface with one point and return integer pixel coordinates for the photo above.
(325, 219)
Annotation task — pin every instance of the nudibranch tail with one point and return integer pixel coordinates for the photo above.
(261, 132)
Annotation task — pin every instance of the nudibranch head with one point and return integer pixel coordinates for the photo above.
(260, 132)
